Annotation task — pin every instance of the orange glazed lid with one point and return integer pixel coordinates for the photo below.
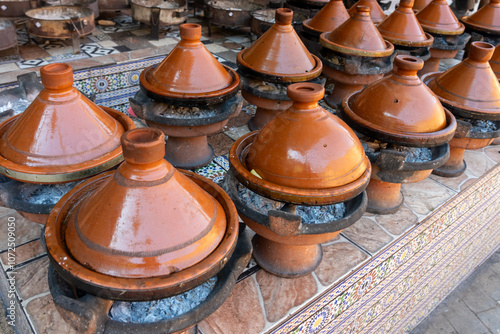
(420, 4)
(495, 61)
(376, 13)
(400, 103)
(307, 147)
(486, 18)
(62, 136)
(402, 27)
(190, 71)
(147, 219)
(332, 15)
(438, 18)
(358, 36)
(471, 84)
(279, 52)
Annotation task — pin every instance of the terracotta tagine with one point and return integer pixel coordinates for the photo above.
(328, 18)
(438, 20)
(484, 25)
(403, 30)
(277, 59)
(354, 55)
(495, 62)
(376, 13)
(188, 96)
(472, 92)
(306, 8)
(404, 129)
(107, 235)
(60, 138)
(420, 4)
(304, 157)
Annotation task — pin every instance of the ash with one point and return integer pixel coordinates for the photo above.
(415, 154)
(185, 112)
(49, 194)
(373, 148)
(479, 125)
(18, 106)
(163, 309)
(310, 214)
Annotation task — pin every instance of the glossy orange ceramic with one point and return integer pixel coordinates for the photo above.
(331, 16)
(358, 36)
(146, 220)
(487, 18)
(190, 71)
(306, 146)
(438, 18)
(420, 4)
(495, 62)
(279, 52)
(472, 84)
(403, 28)
(376, 13)
(62, 136)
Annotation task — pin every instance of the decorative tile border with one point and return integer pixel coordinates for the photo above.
(382, 293)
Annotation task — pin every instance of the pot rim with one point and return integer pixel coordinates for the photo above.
(431, 30)
(84, 11)
(494, 30)
(289, 194)
(63, 174)
(353, 51)
(415, 139)
(427, 43)
(135, 289)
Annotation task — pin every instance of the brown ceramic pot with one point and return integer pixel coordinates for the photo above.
(376, 13)
(321, 162)
(438, 19)
(328, 18)
(347, 48)
(62, 136)
(278, 57)
(127, 253)
(495, 62)
(486, 19)
(420, 4)
(399, 110)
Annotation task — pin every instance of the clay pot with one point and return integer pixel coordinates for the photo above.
(62, 136)
(108, 233)
(495, 62)
(403, 30)
(486, 19)
(376, 13)
(189, 77)
(438, 20)
(321, 163)
(399, 110)
(420, 4)
(354, 55)
(472, 92)
(328, 18)
(278, 57)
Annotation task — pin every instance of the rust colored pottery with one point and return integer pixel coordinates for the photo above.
(403, 28)
(62, 136)
(495, 62)
(376, 13)
(438, 18)
(331, 16)
(189, 72)
(280, 53)
(486, 19)
(420, 4)
(471, 86)
(145, 230)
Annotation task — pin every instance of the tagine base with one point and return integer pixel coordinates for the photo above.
(286, 260)
(340, 90)
(384, 197)
(450, 171)
(261, 118)
(432, 64)
(188, 152)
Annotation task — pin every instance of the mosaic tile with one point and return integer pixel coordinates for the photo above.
(32, 63)
(53, 45)
(222, 161)
(212, 171)
(95, 50)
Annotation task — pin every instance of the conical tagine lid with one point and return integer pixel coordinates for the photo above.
(376, 13)
(306, 146)
(420, 4)
(402, 27)
(438, 18)
(331, 16)
(495, 61)
(279, 52)
(146, 220)
(61, 136)
(189, 71)
(487, 18)
(471, 84)
(399, 103)
(358, 36)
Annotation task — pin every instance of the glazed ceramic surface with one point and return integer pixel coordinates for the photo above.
(376, 13)
(328, 18)
(486, 18)
(438, 18)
